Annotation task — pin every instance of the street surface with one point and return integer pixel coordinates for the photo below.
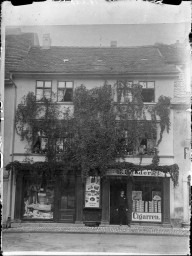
(101, 243)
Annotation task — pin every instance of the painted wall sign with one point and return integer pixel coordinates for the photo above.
(148, 217)
(92, 192)
(124, 172)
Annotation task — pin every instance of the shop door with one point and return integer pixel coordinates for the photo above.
(67, 199)
(115, 188)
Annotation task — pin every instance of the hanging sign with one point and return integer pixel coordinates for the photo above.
(92, 192)
(148, 173)
(146, 216)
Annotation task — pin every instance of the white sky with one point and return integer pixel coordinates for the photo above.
(96, 22)
(102, 35)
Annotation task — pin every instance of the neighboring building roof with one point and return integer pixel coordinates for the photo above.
(92, 60)
(16, 48)
(177, 53)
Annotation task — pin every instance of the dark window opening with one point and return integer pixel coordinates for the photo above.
(65, 92)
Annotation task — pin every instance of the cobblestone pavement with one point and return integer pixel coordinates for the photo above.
(92, 244)
(73, 228)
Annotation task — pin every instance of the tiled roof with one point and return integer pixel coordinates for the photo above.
(16, 48)
(175, 53)
(92, 60)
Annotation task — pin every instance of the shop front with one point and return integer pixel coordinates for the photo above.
(66, 199)
(147, 193)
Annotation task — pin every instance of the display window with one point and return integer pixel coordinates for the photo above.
(38, 199)
(147, 201)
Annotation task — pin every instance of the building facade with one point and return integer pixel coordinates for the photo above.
(151, 196)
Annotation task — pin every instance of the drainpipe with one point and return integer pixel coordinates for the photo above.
(12, 152)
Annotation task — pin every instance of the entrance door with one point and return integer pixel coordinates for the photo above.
(115, 188)
(67, 199)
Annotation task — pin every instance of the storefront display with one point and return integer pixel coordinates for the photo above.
(92, 192)
(38, 200)
(146, 203)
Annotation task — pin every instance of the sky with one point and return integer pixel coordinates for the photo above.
(101, 35)
(97, 22)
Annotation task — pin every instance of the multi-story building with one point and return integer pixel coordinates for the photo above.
(160, 69)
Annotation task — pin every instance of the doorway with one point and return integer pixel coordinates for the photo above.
(116, 186)
(67, 199)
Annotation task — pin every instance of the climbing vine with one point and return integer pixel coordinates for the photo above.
(104, 125)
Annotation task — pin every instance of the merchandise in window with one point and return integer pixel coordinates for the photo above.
(43, 90)
(146, 202)
(65, 91)
(38, 199)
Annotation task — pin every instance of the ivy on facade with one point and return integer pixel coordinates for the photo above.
(99, 130)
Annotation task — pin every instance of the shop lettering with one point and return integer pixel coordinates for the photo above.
(155, 217)
(138, 173)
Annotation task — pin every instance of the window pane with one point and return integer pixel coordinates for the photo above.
(144, 84)
(148, 95)
(44, 142)
(48, 84)
(59, 145)
(60, 95)
(47, 94)
(69, 84)
(68, 95)
(38, 199)
(40, 84)
(39, 95)
(129, 84)
(151, 85)
(61, 84)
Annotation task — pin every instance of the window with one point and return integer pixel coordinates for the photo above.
(41, 143)
(148, 91)
(147, 141)
(65, 91)
(146, 200)
(43, 90)
(38, 200)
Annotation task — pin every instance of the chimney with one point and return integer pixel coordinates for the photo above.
(46, 41)
(113, 44)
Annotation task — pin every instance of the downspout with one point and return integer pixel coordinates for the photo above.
(12, 152)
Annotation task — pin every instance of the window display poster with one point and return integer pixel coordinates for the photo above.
(156, 195)
(136, 195)
(92, 192)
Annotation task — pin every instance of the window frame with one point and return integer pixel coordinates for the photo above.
(43, 88)
(148, 88)
(65, 81)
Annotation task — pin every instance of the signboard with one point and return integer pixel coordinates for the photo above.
(92, 192)
(146, 216)
(146, 173)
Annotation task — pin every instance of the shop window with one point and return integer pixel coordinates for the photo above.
(43, 90)
(38, 199)
(147, 201)
(65, 91)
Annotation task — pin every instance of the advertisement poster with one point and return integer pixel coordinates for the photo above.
(156, 195)
(92, 192)
(136, 195)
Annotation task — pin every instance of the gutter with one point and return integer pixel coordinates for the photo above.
(12, 156)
